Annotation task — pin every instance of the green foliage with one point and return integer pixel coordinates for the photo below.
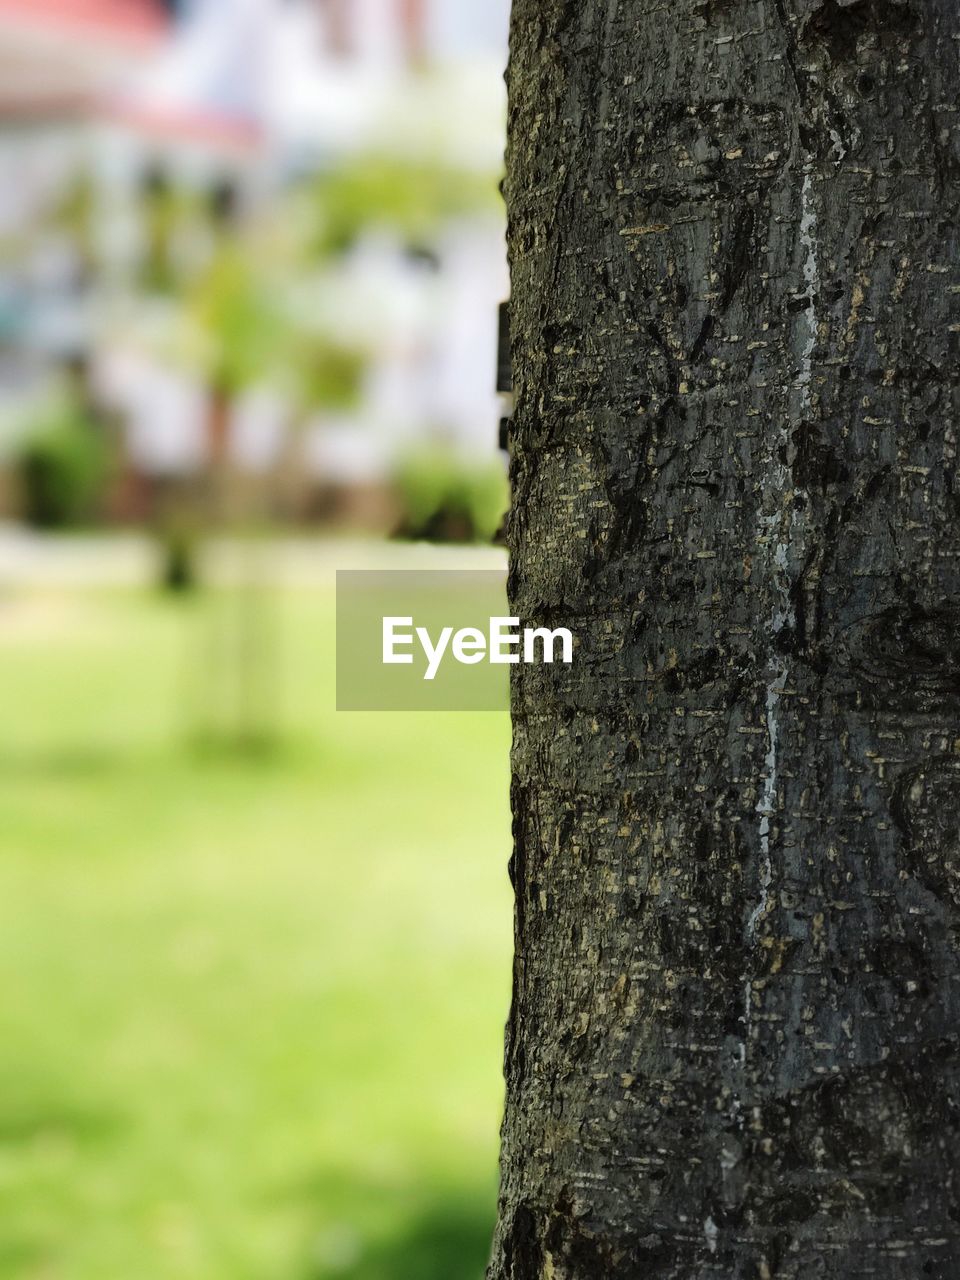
(249, 331)
(168, 211)
(62, 467)
(77, 212)
(446, 498)
(241, 324)
(412, 198)
(326, 374)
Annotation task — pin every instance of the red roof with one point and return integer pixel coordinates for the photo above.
(126, 20)
(204, 128)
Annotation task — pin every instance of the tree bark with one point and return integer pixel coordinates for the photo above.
(734, 1047)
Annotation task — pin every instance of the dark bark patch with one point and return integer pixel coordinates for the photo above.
(715, 948)
(838, 27)
(714, 8)
(740, 253)
(704, 669)
(627, 508)
(703, 133)
(701, 340)
(793, 1206)
(905, 658)
(817, 465)
(902, 962)
(522, 1251)
(861, 1129)
(581, 1250)
(563, 1242)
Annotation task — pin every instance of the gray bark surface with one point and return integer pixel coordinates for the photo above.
(734, 1047)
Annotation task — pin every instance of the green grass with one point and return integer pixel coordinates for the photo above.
(251, 1003)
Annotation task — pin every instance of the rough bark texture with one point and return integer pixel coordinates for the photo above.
(734, 1048)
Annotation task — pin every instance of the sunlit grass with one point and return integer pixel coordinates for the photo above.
(251, 1003)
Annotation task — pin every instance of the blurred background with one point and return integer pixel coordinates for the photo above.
(254, 955)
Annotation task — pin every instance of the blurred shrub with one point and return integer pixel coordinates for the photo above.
(446, 498)
(324, 373)
(243, 333)
(247, 332)
(62, 468)
(178, 572)
(412, 198)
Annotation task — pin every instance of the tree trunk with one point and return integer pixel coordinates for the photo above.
(734, 1048)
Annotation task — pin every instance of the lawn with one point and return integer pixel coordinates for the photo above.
(251, 1002)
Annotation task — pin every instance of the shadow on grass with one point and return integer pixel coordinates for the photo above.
(20, 1255)
(436, 1233)
(36, 1108)
(67, 763)
(61, 763)
(43, 1129)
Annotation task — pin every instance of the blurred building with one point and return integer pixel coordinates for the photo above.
(111, 109)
